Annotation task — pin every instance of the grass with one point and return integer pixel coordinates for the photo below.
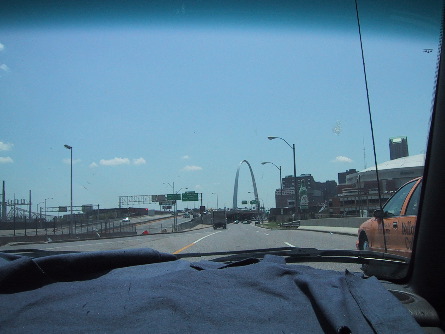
(270, 225)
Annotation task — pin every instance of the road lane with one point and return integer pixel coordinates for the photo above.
(235, 237)
(247, 237)
(194, 243)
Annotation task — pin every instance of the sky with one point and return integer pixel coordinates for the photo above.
(146, 107)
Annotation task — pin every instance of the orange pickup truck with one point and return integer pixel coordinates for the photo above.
(399, 221)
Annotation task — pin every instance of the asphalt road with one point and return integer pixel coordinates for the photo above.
(235, 237)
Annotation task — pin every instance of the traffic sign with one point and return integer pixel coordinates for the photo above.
(190, 196)
(167, 203)
(173, 197)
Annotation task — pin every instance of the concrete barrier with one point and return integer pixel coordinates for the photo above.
(335, 222)
(63, 237)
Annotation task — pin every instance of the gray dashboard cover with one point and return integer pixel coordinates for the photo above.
(113, 292)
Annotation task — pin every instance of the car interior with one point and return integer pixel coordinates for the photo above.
(421, 291)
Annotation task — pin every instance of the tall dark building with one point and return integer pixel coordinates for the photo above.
(342, 176)
(398, 147)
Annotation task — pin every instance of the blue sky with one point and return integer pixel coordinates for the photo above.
(146, 106)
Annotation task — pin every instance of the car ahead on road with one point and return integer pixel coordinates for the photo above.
(246, 221)
(126, 220)
(392, 229)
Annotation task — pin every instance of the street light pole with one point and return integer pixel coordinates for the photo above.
(217, 205)
(175, 218)
(174, 206)
(71, 206)
(45, 206)
(281, 180)
(295, 172)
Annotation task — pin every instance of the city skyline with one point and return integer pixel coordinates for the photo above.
(144, 106)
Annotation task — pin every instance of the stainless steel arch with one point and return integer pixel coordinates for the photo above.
(235, 190)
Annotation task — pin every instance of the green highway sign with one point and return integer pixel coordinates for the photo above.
(173, 197)
(253, 202)
(190, 196)
(243, 202)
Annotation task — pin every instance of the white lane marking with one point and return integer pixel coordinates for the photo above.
(290, 245)
(194, 242)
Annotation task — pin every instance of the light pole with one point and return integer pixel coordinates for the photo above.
(295, 172)
(217, 205)
(40, 215)
(174, 206)
(281, 181)
(71, 206)
(45, 205)
(175, 219)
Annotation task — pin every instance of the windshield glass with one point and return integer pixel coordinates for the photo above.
(394, 205)
(198, 128)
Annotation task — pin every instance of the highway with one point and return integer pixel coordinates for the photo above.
(235, 237)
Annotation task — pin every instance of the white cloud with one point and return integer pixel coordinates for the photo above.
(5, 146)
(115, 162)
(139, 161)
(2, 47)
(68, 161)
(189, 168)
(93, 165)
(186, 157)
(4, 67)
(341, 158)
(6, 160)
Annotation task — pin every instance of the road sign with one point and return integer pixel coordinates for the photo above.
(190, 196)
(173, 197)
(253, 202)
(63, 209)
(87, 208)
(167, 203)
(243, 202)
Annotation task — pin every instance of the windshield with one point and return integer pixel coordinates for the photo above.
(198, 128)
(394, 206)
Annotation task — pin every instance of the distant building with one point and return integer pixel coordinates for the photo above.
(342, 176)
(318, 193)
(359, 196)
(398, 147)
(392, 174)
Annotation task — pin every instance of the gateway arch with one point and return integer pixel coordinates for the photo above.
(235, 191)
